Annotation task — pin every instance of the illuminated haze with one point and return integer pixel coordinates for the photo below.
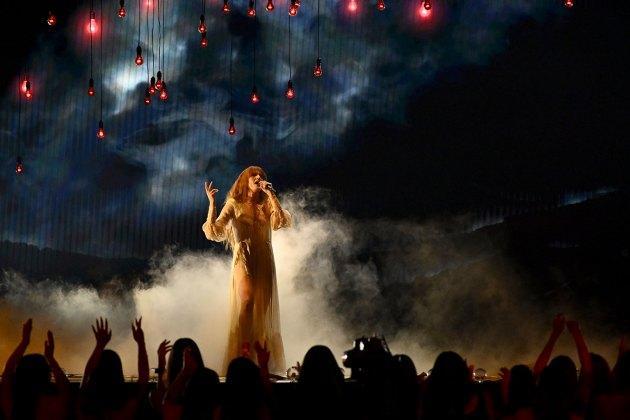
(426, 293)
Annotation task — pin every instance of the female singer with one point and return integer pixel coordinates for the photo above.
(250, 211)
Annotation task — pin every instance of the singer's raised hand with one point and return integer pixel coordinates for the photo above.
(210, 191)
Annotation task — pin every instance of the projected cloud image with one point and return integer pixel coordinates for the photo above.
(150, 168)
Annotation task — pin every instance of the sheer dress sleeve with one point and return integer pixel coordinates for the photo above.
(217, 230)
(280, 218)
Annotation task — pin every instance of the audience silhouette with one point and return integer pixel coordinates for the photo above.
(34, 386)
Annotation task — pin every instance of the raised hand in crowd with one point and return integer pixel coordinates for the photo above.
(157, 396)
(176, 389)
(102, 334)
(61, 380)
(27, 391)
(504, 374)
(558, 325)
(143, 358)
(263, 355)
(8, 375)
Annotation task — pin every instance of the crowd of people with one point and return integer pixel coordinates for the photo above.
(34, 386)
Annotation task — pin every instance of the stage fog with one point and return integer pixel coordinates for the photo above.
(426, 287)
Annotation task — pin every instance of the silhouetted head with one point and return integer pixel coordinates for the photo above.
(32, 379)
(622, 372)
(320, 367)
(176, 357)
(200, 396)
(448, 387)
(602, 377)
(243, 372)
(32, 371)
(245, 390)
(522, 387)
(105, 388)
(450, 368)
(557, 388)
(108, 372)
(404, 370)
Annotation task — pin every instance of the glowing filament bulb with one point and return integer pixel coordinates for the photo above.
(100, 133)
(28, 93)
(163, 92)
(568, 3)
(317, 70)
(19, 165)
(147, 97)
(152, 85)
(158, 83)
(380, 5)
(424, 11)
(270, 5)
(290, 93)
(232, 127)
(202, 24)
(139, 59)
(51, 20)
(226, 7)
(204, 40)
(122, 12)
(353, 6)
(91, 87)
(254, 97)
(92, 27)
(25, 85)
(293, 8)
(251, 10)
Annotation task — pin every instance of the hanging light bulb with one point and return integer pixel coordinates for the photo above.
(91, 87)
(226, 7)
(51, 20)
(28, 93)
(254, 97)
(122, 12)
(353, 6)
(317, 70)
(163, 92)
(251, 10)
(232, 127)
(380, 5)
(152, 85)
(293, 8)
(92, 27)
(290, 93)
(424, 11)
(25, 84)
(568, 3)
(147, 97)
(139, 59)
(270, 5)
(204, 40)
(19, 165)
(158, 82)
(100, 133)
(202, 24)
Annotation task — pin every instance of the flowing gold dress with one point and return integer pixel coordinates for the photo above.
(250, 240)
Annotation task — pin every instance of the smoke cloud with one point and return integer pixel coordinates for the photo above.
(426, 287)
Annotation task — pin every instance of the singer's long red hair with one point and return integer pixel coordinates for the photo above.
(241, 186)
